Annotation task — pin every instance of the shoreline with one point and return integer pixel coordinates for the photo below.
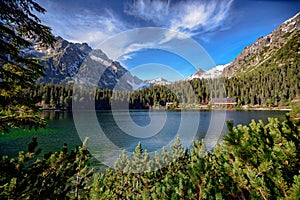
(190, 109)
(236, 109)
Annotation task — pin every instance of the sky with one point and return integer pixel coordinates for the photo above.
(168, 38)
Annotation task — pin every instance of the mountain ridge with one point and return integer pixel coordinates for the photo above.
(264, 48)
(63, 62)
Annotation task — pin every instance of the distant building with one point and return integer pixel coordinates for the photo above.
(223, 101)
(169, 103)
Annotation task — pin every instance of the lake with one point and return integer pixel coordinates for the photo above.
(110, 132)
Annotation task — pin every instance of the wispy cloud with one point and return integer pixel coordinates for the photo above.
(151, 10)
(127, 57)
(138, 46)
(188, 17)
(82, 23)
(84, 26)
(181, 20)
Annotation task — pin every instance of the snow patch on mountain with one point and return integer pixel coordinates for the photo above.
(158, 81)
(215, 72)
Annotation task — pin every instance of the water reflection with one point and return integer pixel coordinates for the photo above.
(50, 115)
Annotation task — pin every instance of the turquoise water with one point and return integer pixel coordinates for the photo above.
(117, 131)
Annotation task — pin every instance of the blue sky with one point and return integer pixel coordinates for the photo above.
(222, 28)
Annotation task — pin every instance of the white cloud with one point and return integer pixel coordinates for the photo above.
(139, 46)
(126, 57)
(188, 17)
(84, 26)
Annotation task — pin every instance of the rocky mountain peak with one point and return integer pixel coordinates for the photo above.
(63, 61)
(199, 72)
(158, 81)
(214, 72)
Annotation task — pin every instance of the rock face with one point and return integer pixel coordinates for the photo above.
(256, 54)
(98, 69)
(63, 62)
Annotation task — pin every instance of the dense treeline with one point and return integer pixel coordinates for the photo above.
(259, 87)
(266, 86)
(197, 91)
(259, 161)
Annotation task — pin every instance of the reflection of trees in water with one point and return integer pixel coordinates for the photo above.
(55, 115)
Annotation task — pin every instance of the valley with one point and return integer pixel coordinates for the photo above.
(123, 99)
(265, 75)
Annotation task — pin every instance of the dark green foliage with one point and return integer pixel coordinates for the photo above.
(274, 81)
(58, 175)
(265, 158)
(19, 26)
(60, 97)
(269, 86)
(259, 161)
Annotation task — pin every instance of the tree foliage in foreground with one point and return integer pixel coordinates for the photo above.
(57, 175)
(19, 28)
(259, 161)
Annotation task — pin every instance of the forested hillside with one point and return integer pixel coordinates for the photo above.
(261, 53)
(271, 83)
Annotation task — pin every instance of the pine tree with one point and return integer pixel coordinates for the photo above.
(59, 175)
(19, 27)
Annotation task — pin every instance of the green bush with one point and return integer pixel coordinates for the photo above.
(259, 161)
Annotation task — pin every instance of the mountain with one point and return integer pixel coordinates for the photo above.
(60, 62)
(158, 81)
(97, 68)
(64, 61)
(272, 49)
(215, 72)
(197, 74)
